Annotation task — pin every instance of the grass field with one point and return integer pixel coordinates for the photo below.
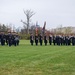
(37, 60)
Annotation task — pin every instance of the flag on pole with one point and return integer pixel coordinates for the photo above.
(36, 30)
(44, 27)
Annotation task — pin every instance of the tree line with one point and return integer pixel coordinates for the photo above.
(29, 28)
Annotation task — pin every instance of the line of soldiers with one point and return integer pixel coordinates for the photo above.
(53, 39)
(9, 39)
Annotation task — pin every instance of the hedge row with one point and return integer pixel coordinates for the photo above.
(24, 36)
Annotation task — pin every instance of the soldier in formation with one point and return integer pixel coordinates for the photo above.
(54, 40)
(9, 39)
(41, 39)
(36, 39)
(31, 39)
(45, 39)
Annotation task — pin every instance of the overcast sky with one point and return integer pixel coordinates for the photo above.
(54, 12)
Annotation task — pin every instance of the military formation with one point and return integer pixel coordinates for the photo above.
(59, 40)
(9, 39)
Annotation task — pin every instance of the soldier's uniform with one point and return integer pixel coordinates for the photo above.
(73, 40)
(45, 40)
(17, 39)
(50, 39)
(69, 40)
(57, 40)
(60, 40)
(6, 36)
(63, 40)
(41, 39)
(2, 39)
(31, 39)
(36, 39)
(9, 39)
(66, 40)
(54, 40)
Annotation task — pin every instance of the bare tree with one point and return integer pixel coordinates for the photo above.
(28, 14)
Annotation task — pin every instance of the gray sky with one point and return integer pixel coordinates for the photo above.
(54, 12)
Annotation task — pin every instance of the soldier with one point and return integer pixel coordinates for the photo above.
(40, 39)
(45, 39)
(6, 39)
(31, 39)
(9, 39)
(73, 40)
(2, 38)
(17, 39)
(69, 40)
(50, 39)
(54, 39)
(36, 39)
(66, 40)
(60, 40)
(63, 39)
(57, 39)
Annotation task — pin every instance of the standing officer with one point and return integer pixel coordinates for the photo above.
(45, 39)
(69, 40)
(50, 39)
(9, 39)
(73, 40)
(31, 39)
(66, 40)
(54, 39)
(2, 38)
(40, 39)
(36, 39)
(17, 39)
(6, 36)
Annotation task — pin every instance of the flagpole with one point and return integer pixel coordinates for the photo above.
(43, 30)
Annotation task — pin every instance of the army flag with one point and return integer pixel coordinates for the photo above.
(36, 30)
(44, 27)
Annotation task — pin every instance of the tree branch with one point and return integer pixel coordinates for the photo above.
(23, 22)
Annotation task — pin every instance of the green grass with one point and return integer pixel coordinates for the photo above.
(37, 60)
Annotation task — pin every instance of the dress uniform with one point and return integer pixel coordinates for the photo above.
(2, 39)
(31, 39)
(73, 40)
(41, 39)
(54, 39)
(9, 39)
(45, 40)
(36, 39)
(50, 39)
